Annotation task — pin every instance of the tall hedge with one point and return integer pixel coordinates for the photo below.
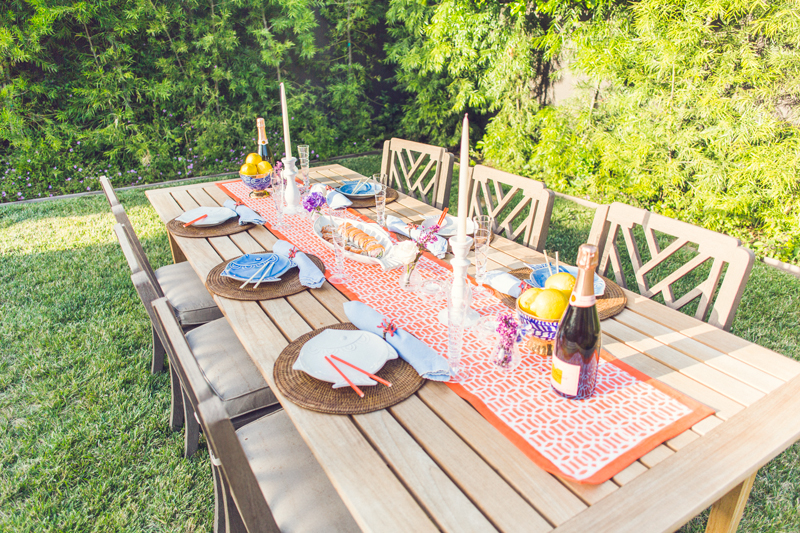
(688, 108)
(143, 89)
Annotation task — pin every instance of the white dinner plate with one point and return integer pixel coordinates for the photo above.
(449, 226)
(360, 348)
(216, 216)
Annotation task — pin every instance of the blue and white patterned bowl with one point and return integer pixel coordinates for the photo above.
(259, 182)
(540, 273)
(538, 327)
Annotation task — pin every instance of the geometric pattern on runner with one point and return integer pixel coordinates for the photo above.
(578, 437)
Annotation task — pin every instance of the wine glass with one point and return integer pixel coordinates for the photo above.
(458, 302)
(340, 275)
(380, 205)
(278, 188)
(304, 164)
(481, 238)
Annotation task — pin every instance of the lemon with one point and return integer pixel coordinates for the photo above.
(253, 158)
(264, 167)
(563, 281)
(248, 169)
(527, 298)
(550, 304)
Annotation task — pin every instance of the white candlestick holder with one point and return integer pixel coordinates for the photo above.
(292, 194)
(461, 295)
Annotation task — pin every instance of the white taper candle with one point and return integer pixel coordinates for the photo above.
(287, 142)
(463, 182)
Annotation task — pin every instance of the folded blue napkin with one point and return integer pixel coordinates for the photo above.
(246, 215)
(427, 363)
(310, 274)
(505, 283)
(334, 198)
(437, 247)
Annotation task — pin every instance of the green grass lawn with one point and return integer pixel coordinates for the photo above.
(84, 442)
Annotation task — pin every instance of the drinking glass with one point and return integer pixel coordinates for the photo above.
(340, 275)
(457, 307)
(483, 222)
(481, 239)
(278, 189)
(304, 163)
(380, 205)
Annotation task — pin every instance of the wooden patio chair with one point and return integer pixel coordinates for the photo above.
(519, 206)
(178, 282)
(227, 368)
(265, 477)
(702, 245)
(419, 170)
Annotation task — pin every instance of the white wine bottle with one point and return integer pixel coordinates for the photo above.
(264, 149)
(576, 352)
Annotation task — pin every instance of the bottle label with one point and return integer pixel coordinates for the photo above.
(583, 300)
(565, 377)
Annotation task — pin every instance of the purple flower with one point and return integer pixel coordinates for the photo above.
(313, 202)
(507, 329)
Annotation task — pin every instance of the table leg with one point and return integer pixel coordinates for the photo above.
(177, 253)
(727, 512)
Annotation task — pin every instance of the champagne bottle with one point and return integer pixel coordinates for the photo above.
(576, 352)
(264, 149)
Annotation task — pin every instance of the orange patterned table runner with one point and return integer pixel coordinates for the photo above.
(586, 441)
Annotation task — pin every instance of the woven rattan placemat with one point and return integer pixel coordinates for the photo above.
(319, 396)
(360, 203)
(229, 288)
(229, 227)
(611, 303)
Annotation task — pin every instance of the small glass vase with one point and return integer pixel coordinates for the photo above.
(410, 278)
(506, 360)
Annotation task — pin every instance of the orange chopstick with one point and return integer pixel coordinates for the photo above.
(441, 218)
(376, 378)
(358, 391)
(198, 219)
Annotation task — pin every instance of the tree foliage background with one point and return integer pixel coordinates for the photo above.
(688, 108)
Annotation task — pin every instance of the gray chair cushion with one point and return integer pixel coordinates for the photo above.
(228, 368)
(299, 494)
(187, 294)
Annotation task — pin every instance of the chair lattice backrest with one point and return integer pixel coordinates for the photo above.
(419, 170)
(519, 206)
(226, 451)
(679, 253)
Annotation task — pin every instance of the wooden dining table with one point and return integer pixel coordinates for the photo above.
(432, 462)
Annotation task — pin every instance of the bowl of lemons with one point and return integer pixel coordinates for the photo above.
(540, 309)
(256, 174)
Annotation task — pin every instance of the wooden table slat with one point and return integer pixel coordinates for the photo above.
(493, 496)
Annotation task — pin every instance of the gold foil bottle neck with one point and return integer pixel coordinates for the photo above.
(587, 256)
(262, 133)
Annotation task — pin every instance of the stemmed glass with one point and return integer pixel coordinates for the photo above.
(380, 205)
(457, 307)
(482, 238)
(278, 188)
(304, 164)
(340, 275)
